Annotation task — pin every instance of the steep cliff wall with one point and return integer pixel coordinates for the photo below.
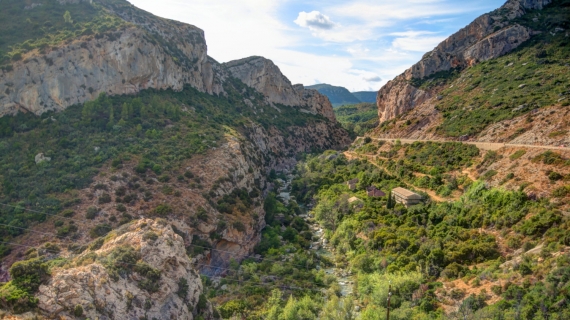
(489, 36)
(264, 76)
(150, 52)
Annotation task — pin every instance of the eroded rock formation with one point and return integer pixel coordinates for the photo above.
(264, 76)
(88, 281)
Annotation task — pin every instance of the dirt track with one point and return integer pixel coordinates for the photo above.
(480, 145)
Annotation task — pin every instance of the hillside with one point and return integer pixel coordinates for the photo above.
(338, 96)
(365, 96)
(494, 97)
(126, 151)
(358, 118)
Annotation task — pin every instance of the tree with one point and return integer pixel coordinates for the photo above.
(67, 17)
(390, 204)
(125, 112)
(337, 309)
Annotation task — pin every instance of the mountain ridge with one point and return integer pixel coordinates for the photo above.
(489, 36)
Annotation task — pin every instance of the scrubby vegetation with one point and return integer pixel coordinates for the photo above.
(532, 76)
(44, 24)
(417, 248)
(357, 119)
(159, 129)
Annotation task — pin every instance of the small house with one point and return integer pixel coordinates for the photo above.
(406, 197)
(352, 183)
(373, 192)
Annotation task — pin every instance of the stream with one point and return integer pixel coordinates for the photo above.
(321, 247)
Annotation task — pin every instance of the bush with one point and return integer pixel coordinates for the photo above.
(78, 311)
(68, 213)
(183, 287)
(150, 235)
(28, 275)
(517, 155)
(97, 244)
(233, 308)
(105, 198)
(239, 226)
(100, 230)
(91, 213)
(162, 210)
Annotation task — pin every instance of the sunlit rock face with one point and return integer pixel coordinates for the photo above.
(487, 37)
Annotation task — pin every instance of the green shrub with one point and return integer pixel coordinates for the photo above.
(91, 213)
(100, 230)
(78, 311)
(162, 210)
(28, 275)
(105, 198)
(239, 226)
(233, 308)
(183, 287)
(150, 235)
(97, 244)
(68, 213)
(517, 154)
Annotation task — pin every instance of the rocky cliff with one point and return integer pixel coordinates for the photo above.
(214, 207)
(489, 36)
(264, 76)
(140, 271)
(146, 52)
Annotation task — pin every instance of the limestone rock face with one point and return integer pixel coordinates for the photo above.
(264, 76)
(397, 97)
(121, 62)
(489, 36)
(89, 284)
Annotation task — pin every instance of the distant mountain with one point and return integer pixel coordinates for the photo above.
(366, 96)
(338, 96)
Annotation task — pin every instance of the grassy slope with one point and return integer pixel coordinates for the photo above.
(44, 26)
(534, 75)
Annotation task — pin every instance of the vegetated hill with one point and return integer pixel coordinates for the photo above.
(495, 88)
(366, 96)
(357, 118)
(490, 254)
(152, 129)
(337, 95)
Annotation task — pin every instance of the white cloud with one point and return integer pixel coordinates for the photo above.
(418, 41)
(314, 20)
(372, 79)
(347, 46)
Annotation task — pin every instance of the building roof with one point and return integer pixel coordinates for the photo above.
(406, 193)
(374, 192)
(353, 181)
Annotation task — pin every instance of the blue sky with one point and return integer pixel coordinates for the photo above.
(359, 44)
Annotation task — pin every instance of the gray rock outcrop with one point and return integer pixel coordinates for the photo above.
(123, 61)
(265, 77)
(487, 37)
(88, 283)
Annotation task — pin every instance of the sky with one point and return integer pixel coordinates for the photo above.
(358, 44)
